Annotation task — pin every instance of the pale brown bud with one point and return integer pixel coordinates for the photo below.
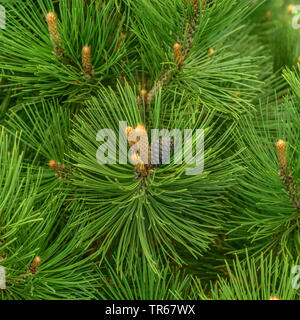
(36, 261)
(290, 8)
(35, 264)
(87, 60)
(52, 23)
(128, 130)
(281, 151)
(135, 159)
(59, 169)
(140, 129)
(211, 52)
(138, 164)
(141, 168)
(53, 164)
(178, 54)
(54, 35)
(143, 95)
(142, 148)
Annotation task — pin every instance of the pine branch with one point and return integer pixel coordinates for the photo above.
(268, 279)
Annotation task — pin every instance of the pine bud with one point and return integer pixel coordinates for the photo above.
(35, 264)
(143, 143)
(290, 8)
(127, 132)
(211, 52)
(139, 141)
(54, 165)
(59, 169)
(140, 129)
(135, 159)
(281, 151)
(138, 164)
(143, 95)
(87, 60)
(54, 35)
(178, 54)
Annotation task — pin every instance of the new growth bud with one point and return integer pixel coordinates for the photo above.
(178, 55)
(35, 264)
(143, 95)
(290, 8)
(54, 35)
(211, 52)
(138, 141)
(87, 60)
(58, 168)
(281, 151)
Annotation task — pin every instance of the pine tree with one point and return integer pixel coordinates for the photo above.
(72, 227)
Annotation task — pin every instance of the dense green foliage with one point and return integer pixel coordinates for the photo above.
(72, 228)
